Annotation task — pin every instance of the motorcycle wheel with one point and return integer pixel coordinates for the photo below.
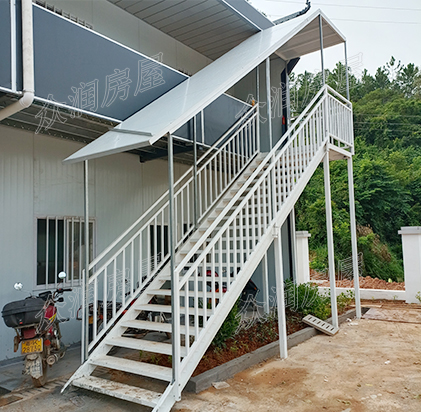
(42, 380)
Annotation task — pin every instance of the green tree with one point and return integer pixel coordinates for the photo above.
(387, 170)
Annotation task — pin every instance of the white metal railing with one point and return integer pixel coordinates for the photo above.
(340, 118)
(217, 259)
(122, 270)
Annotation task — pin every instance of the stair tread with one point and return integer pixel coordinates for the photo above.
(143, 344)
(135, 367)
(118, 390)
(166, 308)
(200, 294)
(155, 326)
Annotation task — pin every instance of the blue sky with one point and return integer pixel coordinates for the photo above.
(375, 30)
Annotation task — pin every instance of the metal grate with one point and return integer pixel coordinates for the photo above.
(320, 325)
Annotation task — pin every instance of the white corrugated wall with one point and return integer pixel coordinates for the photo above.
(34, 183)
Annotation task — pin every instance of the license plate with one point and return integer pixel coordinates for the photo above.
(32, 346)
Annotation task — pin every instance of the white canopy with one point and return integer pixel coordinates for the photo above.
(291, 39)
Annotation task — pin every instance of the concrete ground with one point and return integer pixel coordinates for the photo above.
(369, 366)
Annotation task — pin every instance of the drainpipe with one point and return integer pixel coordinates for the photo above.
(294, 15)
(27, 63)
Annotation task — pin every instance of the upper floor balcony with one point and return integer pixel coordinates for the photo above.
(86, 83)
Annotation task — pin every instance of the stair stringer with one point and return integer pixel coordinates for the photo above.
(158, 281)
(214, 323)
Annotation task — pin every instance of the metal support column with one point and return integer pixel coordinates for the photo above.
(329, 228)
(346, 71)
(321, 48)
(258, 106)
(288, 99)
(354, 238)
(280, 295)
(195, 211)
(265, 283)
(85, 289)
(293, 243)
(175, 298)
(268, 103)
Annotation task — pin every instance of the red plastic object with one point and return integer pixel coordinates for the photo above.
(29, 333)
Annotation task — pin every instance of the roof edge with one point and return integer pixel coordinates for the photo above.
(249, 13)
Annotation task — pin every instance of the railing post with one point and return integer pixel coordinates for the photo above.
(202, 125)
(85, 327)
(175, 298)
(329, 229)
(326, 114)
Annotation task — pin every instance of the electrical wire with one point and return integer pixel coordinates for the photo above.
(346, 5)
(380, 21)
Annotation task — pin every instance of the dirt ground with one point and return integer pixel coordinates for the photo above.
(369, 366)
(366, 282)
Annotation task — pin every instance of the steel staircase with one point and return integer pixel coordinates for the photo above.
(243, 197)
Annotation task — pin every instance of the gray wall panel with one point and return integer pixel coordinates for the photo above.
(5, 38)
(67, 55)
(219, 117)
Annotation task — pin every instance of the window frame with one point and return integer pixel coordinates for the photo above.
(66, 221)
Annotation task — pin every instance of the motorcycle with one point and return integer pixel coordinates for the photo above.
(37, 330)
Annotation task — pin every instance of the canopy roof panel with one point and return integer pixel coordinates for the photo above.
(307, 40)
(211, 27)
(180, 104)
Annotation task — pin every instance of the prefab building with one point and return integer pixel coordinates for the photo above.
(166, 125)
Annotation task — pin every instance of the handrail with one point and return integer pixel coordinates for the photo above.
(338, 95)
(286, 137)
(126, 272)
(264, 192)
(165, 194)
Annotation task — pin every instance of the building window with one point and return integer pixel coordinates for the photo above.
(60, 247)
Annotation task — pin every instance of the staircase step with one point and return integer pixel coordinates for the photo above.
(138, 368)
(155, 326)
(194, 239)
(167, 292)
(118, 390)
(165, 308)
(143, 344)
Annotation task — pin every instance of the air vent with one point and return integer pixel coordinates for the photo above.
(63, 13)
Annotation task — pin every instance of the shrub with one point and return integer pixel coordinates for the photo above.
(228, 328)
(344, 299)
(378, 260)
(306, 300)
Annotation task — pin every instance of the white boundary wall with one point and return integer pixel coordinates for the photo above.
(371, 293)
(411, 245)
(303, 263)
